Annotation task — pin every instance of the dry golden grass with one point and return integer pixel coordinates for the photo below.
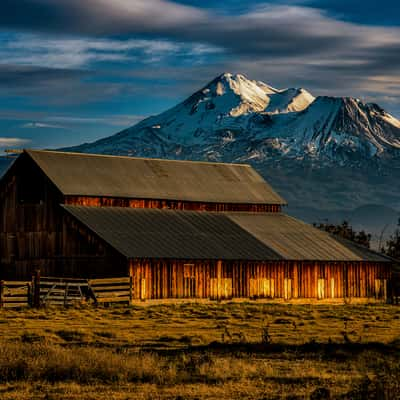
(201, 351)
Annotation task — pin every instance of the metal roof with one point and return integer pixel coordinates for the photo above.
(296, 240)
(141, 178)
(153, 233)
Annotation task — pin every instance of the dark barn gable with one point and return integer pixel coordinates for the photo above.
(179, 229)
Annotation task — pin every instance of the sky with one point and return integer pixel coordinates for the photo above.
(73, 71)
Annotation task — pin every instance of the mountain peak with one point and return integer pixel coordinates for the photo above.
(241, 85)
(232, 94)
(237, 95)
(234, 118)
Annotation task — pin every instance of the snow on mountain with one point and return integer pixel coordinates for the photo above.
(289, 100)
(340, 128)
(237, 119)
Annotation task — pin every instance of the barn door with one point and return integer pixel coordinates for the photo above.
(381, 288)
(262, 287)
(221, 283)
(321, 289)
(189, 281)
(287, 288)
(221, 288)
(143, 292)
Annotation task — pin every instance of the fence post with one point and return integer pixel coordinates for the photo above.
(130, 290)
(29, 294)
(36, 288)
(1, 293)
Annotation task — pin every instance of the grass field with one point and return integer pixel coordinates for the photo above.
(201, 351)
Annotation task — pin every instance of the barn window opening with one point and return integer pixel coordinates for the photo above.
(30, 188)
(12, 246)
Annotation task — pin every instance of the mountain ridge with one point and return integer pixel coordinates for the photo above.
(236, 119)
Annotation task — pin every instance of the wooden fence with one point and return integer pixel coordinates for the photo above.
(62, 291)
(15, 294)
(45, 291)
(113, 290)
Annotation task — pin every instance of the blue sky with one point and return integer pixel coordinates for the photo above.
(72, 71)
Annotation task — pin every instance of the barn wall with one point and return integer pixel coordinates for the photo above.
(36, 233)
(168, 204)
(162, 279)
(28, 226)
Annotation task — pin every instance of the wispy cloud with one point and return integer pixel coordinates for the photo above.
(41, 125)
(8, 142)
(73, 53)
(111, 120)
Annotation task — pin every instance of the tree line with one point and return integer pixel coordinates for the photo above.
(391, 248)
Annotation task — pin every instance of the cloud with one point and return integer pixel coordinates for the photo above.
(274, 29)
(275, 32)
(68, 121)
(111, 120)
(26, 77)
(76, 53)
(7, 142)
(50, 87)
(297, 44)
(98, 16)
(41, 125)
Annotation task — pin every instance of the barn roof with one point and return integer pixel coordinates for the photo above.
(141, 178)
(295, 240)
(153, 233)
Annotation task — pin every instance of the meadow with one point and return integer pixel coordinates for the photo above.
(201, 351)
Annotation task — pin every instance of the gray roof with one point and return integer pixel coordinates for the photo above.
(295, 240)
(153, 233)
(141, 178)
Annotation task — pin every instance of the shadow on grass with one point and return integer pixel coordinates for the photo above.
(328, 351)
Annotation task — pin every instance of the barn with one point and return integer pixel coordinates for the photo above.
(179, 229)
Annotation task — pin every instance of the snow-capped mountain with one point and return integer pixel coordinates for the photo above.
(237, 119)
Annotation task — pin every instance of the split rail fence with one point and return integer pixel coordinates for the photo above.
(44, 291)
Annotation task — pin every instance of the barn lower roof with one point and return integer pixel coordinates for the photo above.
(153, 233)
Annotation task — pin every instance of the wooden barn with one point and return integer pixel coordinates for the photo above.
(179, 229)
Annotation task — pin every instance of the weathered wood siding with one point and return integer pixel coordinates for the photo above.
(36, 233)
(162, 279)
(168, 204)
